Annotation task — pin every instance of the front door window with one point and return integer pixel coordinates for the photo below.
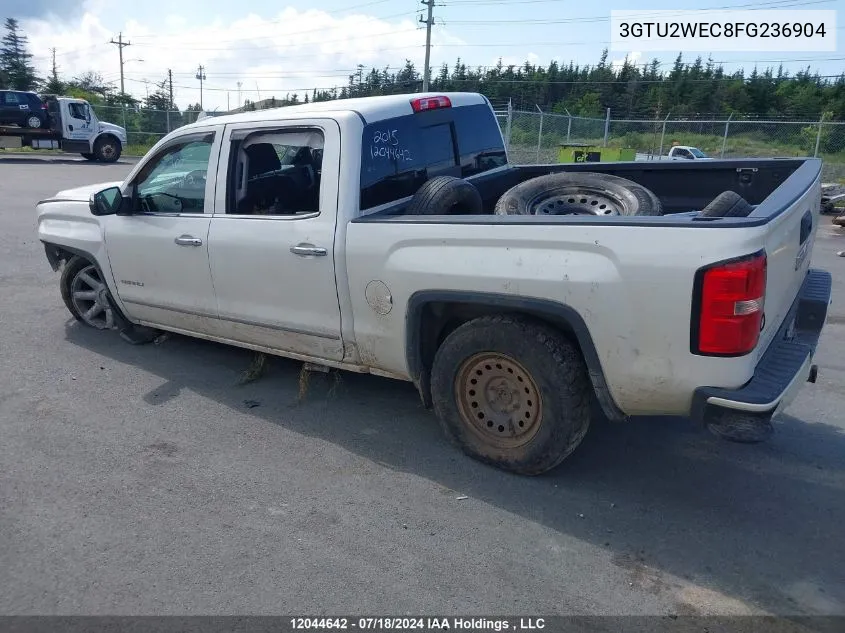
(174, 180)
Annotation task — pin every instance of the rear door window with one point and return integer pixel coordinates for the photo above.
(400, 154)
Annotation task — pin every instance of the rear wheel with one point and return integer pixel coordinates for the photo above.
(512, 393)
(86, 295)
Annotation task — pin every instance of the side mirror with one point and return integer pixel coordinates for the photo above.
(106, 202)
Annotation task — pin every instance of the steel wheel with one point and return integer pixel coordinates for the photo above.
(579, 201)
(108, 151)
(498, 400)
(90, 297)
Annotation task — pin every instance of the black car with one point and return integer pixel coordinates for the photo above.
(22, 108)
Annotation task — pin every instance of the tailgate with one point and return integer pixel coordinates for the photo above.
(788, 241)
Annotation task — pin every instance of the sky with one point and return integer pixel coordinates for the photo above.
(283, 46)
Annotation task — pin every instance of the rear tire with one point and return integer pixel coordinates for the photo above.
(727, 204)
(107, 149)
(446, 195)
(512, 393)
(579, 193)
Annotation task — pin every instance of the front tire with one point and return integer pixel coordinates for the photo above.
(107, 149)
(86, 295)
(512, 393)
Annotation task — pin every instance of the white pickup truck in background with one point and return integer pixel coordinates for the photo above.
(389, 235)
(678, 152)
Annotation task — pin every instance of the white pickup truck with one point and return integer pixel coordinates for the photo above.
(389, 235)
(678, 152)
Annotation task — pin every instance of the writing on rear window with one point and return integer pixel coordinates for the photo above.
(400, 154)
(386, 145)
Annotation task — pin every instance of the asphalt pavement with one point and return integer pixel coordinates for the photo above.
(145, 480)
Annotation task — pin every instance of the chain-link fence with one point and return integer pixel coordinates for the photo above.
(145, 126)
(539, 137)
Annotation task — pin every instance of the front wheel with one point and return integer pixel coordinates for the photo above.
(512, 393)
(86, 295)
(107, 149)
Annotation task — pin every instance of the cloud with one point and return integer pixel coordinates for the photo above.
(289, 51)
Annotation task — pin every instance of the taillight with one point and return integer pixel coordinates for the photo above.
(729, 298)
(430, 103)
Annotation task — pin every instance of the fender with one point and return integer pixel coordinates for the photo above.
(547, 310)
(54, 257)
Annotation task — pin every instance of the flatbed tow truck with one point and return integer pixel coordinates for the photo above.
(74, 128)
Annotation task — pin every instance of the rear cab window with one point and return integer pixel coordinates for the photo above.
(400, 154)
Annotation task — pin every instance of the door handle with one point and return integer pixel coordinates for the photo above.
(307, 250)
(187, 240)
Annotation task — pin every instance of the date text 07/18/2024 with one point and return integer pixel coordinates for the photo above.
(418, 624)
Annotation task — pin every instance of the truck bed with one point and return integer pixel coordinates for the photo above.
(616, 276)
(682, 188)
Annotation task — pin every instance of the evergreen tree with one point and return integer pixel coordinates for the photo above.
(15, 60)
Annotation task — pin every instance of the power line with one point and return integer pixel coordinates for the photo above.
(474, 3)
(264, 37)
(369, 36)
(780, 4)
(278, 20)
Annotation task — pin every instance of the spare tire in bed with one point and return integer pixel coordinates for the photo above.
(727, 204)
(446, 195)
(579, 193)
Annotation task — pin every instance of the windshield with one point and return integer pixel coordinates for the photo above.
(697, 152)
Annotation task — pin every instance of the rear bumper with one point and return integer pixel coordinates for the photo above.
(787, 363)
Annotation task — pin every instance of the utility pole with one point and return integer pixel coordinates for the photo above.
(55, 75)
(240, 102)
(120, 46)
(201, 77)
(170, 98)
(429, 22)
